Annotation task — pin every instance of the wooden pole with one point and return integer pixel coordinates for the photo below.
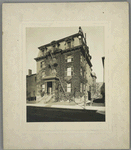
(85, 77)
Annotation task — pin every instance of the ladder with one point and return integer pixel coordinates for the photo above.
(59, 78)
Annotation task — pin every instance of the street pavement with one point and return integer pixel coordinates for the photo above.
(49, 114)
(64, 111)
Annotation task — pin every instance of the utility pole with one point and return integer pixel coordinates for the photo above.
(85, 75)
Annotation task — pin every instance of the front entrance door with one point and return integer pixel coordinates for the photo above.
(89, 95)
(49, 87)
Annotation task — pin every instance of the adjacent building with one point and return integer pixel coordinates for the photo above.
(31, 86)
(64, 69)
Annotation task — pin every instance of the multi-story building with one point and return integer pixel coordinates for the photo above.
(64, 68)
(31, 86)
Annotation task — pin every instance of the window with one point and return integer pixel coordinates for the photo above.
(84, 74)
(69, 71)
(43, 74)
(81, 71)
(81, 87)
(69, 87)
(81, 58)
(42, 64)
(53, 47)
(69, 44)
(43, 87)
(84, 87)
(69, 59)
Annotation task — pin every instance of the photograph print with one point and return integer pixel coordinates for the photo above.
(65, 79)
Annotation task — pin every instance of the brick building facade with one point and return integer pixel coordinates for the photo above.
(64, 68)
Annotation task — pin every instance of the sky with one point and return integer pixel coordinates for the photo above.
(38, 36)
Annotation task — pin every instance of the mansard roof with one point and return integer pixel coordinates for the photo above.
(71, 37)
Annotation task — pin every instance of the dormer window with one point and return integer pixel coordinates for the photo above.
(53, 44)
(68, 42)
(42, 64)
(80, 39)
(58, 44)
(44, 50)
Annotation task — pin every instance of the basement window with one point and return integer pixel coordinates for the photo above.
(68, 87)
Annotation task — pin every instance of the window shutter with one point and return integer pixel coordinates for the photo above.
(66, 88)
(72, 70)
(65, 58)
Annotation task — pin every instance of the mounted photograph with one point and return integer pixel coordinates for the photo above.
(65, 75)
(65, 78)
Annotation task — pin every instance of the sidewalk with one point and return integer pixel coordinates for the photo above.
(67, 106)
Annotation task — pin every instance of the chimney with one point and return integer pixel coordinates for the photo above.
(29, 72)
(103, 61)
